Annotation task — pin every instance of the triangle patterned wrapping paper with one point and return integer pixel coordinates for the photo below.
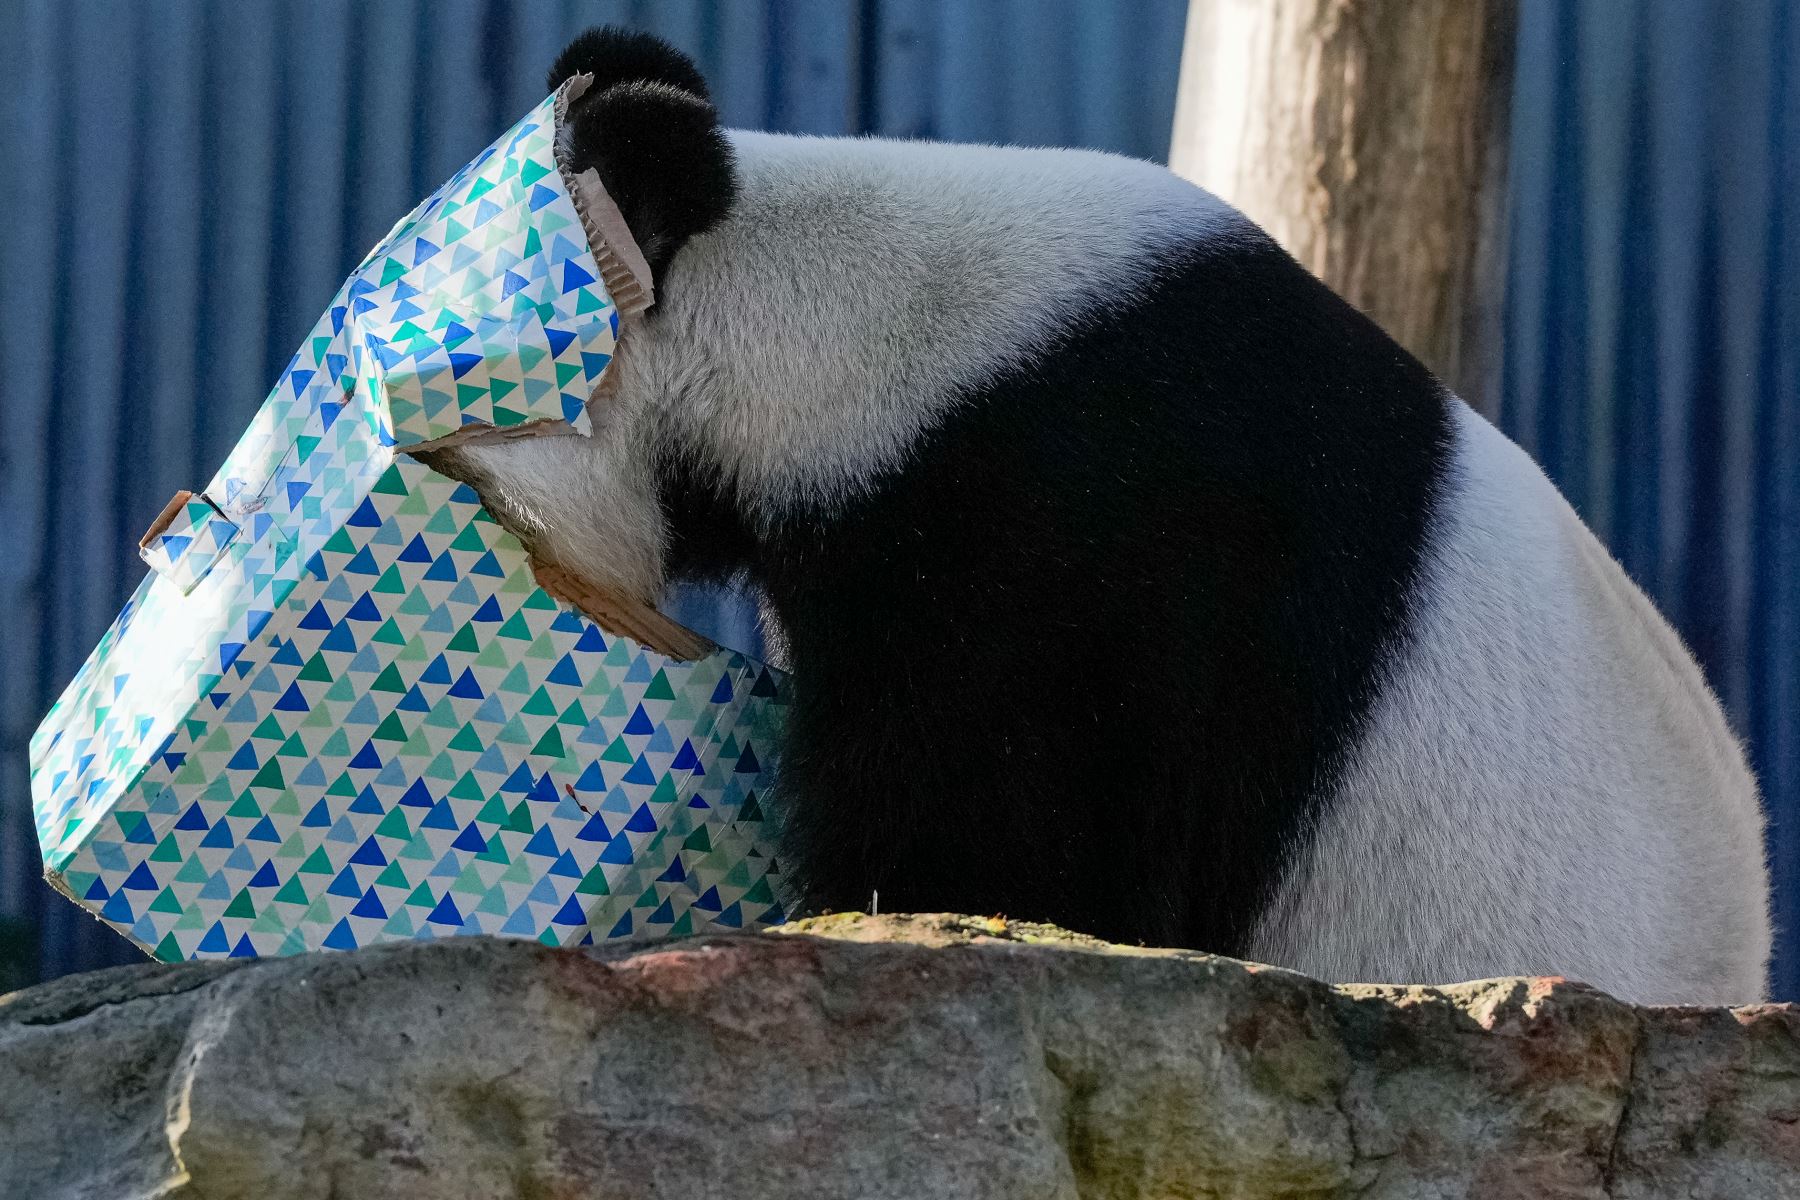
(340, 710)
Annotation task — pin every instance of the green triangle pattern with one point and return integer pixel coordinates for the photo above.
(340, 711)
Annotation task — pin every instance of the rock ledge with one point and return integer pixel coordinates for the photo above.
(905, 1057)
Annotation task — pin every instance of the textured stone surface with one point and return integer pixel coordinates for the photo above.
(860, 1057)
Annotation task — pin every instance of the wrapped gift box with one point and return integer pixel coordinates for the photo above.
(341, 708)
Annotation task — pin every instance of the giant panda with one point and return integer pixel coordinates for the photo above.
(1130, 579)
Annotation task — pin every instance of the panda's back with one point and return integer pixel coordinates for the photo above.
(1131, 579)
(909, 274)
(1250, 634)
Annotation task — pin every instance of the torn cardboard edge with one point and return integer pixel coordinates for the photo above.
(627, 277)
(628, 280)
(312, 478)
(620, 614)
(166, 517)
(623, 268)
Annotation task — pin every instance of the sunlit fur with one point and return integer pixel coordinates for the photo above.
(802, 345)
(1546, 786)
(1520, 768)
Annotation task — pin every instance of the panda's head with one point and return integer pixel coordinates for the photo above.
(647, 127)
(819, 303)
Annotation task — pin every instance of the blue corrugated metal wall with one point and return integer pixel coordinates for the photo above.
(1652, 347)
(186, 183)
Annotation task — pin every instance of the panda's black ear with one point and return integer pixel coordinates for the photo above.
(613, 55)
(646, 127)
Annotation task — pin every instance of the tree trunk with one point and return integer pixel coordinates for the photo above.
(1369, 138)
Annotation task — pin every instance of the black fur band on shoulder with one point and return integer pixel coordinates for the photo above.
(614, 56)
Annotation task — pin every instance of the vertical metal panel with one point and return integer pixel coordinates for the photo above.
(1676, 218)
(1606, 205)
(903, 58)
(1043, 40)
(972, 45)
(1530, 219)
(738, 60)
(1773, 724)
(814, 67)
(1653, 336)
(29, 270)
(188, 183)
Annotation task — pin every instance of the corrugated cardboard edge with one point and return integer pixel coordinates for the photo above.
(620, 614)
(623, 267)
(626, 274)
(628, 280)
(622, 263)
(544, 427)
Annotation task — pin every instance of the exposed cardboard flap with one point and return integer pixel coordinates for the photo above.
(622, 263)
(186, 539)
(165, 518)
(620, 614)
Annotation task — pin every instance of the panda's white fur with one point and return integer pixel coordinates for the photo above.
(1543, 782)
(967, 260)
(1546, 786)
